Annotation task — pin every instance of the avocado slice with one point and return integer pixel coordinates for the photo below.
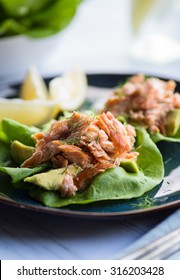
(52, 179)
(129, 166)
(20, 152)
(172, 123)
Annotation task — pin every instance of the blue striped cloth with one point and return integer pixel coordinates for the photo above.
(168, 225)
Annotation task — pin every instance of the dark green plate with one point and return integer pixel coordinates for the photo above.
(121, 208)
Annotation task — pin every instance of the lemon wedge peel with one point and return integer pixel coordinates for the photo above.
(69, 90)
(30, 112)
(36, 106)
(33, 86)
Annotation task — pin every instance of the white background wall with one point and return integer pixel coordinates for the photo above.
(99, 39)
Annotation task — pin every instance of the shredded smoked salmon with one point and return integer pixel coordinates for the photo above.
(145, 101)
(93, 143)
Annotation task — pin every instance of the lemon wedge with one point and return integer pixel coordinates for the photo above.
(32, 112)
(33, 86)
(69, 90)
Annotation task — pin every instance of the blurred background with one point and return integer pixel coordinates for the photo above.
(117, 36)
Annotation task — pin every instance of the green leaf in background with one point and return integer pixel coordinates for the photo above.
(23, 7)
(115, 183)
(11, 27)
(36, 18)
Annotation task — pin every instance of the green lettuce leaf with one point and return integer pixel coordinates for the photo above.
(115, 183)
(11, 130)
(5, 158)
(19, 174)
(160, 137)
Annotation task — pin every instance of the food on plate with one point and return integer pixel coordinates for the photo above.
(94, 144)
(33, 86)
(149, 102)
(69, 90)
(20, 152)
(30, 112)
(37, 103)
(80, 159)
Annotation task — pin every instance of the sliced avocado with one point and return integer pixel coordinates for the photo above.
(129, 166)
(172, 122)
(122, 119)
(21, 152)
(52, 179)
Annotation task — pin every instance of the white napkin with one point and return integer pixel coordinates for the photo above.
(168, 225)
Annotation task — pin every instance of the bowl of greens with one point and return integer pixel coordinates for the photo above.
(29, 30)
